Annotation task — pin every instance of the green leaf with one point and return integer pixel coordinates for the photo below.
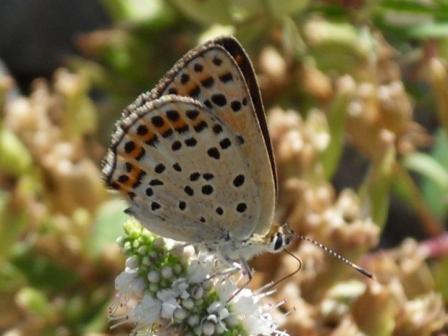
(293, 43)
(11, 279)
(441, 277)
(336, 122)
(43, 272)
(15, 158)
(428, 30)
(34, 300)
(410, 6)
(281, 8)
(108, 225)
(375, 191)
(434, 194)
(136, 11)
(206, 11)
(13, 222)
(428, 167)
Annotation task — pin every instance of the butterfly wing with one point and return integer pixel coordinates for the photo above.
(184, 170)
(234, 48)
(219, 75)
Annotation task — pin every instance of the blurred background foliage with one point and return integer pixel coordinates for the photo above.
(357, 97)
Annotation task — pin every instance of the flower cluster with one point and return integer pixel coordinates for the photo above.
(168, 288)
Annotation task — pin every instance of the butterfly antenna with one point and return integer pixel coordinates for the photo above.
(336, 255)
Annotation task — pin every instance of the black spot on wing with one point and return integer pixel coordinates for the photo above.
(207, 82)
(191, 142)
(227, 77)
(238, 181)
(225, 143)
(207, 189)
(155, 206)
(241, 207)
(192, 114)
(194, 176)
(149, 192)
(213, 152)
(129, 146)
(172, 115)
(176, 145)
(219, 99)
(177, 167)
(235, 105)
(159, 168)
(157, 121)
(189, 191)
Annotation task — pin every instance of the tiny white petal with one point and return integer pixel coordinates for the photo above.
(212, 318)
(129, 284)
(197, 292)
(167, 272)
(198, 330)
(170, 243)
(166, 294)
(153, 276)
(146, 312)
(193, 320)
(120, 240)
(153, 287)
(159, 242)
(131, 270)
(214, 307)
(177, 269)
(200, 268)
(223, 313)
(181, 284)
(189, 251)
(168, 308)
(195, 272)
(232, 321)
(207, 284)
(188, 304)
(220, 329)
(180, 314)
(185, 295)
(142, 250)
(132, 262)
(225, 290)
(127, 246)
(246, 302)
(208, 328)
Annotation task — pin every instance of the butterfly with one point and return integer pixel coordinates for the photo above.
(194, 158)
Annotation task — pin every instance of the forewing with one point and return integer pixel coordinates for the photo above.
(184, 171)
(219, 75)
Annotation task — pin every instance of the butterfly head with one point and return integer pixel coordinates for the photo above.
(279, 237)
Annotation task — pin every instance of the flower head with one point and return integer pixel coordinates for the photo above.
(167, 289)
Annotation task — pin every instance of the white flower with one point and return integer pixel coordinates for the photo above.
(167, 294)
(173, 293)
(200, 267)
(255, 317)
(146, 312)
(225, 290)
(132, 264)
(130, 284)
(168, 308)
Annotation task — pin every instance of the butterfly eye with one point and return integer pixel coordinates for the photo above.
(277, 242)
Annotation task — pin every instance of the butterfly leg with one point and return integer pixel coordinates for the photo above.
(247, 271)
(228, 272)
